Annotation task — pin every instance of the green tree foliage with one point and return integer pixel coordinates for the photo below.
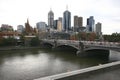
(86, 36)
(22, 39)
(115, 37)
(82, 35)
(8, 41)
(35, 41)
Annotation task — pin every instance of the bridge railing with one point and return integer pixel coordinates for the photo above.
(102, 43)
(76, 42)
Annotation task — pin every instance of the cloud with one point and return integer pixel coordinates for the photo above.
(15, 12)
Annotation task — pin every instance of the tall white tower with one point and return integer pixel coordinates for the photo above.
(50, 19)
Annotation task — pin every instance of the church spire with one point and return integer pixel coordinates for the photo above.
(27, 20)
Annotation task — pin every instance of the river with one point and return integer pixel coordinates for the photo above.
(36, 63)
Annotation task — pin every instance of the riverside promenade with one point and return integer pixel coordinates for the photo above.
(79, 74)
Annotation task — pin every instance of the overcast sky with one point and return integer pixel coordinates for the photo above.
(16, 12)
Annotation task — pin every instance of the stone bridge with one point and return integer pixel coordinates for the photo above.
(84, 46)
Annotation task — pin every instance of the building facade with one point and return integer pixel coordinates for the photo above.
(59, 26)
(98, 28)
(20, 28)
(6, 28)
(55, 24)
(28, 29)
(90, 24)
(41, 26)
(75, 23)
(78, 22)
(66, 21)
(50, 19)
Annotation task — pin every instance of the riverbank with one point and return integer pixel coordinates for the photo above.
(17, 48)
(85, 73)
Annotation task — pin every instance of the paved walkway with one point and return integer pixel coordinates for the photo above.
(91, 73)
(105, 74)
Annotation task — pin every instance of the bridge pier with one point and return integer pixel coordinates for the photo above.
(81, 49)
(80, 53)
(54, 44)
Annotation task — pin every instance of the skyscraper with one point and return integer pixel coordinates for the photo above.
(66, 21)
(50, 19)
(78, 22)
(60, 21)
(90, 24)
(55, 24)
(59, 26)
(75, 21)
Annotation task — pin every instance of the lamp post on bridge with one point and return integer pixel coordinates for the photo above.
(55, 42)
(81, 45)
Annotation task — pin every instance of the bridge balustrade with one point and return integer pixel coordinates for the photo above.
(75, 43)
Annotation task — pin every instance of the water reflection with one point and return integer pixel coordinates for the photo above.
(31, 64)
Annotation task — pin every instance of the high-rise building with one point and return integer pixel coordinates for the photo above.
(20, 28)
(98, 29)
(60, 19)
(59, 26)
(78, 22)
(41, 26)
(75, 21)
(66, 21)
(61, 22)
(50, 19)
(90, 24)
(55, 24)
(87, 21)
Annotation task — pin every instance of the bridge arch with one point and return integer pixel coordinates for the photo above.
(66, 47)
(47, 45)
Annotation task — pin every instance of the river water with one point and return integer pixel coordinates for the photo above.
(36, 63)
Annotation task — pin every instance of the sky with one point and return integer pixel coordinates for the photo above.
(16, 12)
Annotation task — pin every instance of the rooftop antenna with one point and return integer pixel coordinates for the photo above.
(50, 8)
(66, 7)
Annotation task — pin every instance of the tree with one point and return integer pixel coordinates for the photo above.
(35, 41)
(114, 37)
(8, 41)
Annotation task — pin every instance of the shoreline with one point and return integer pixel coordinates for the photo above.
(17, 48)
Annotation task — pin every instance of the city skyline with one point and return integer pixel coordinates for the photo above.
(15, 12)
